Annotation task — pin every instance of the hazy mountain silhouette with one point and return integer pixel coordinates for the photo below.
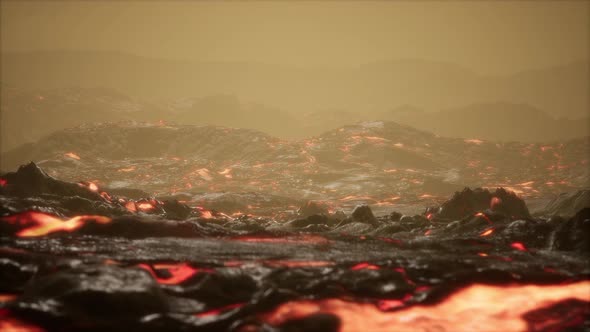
(28, 115)
(499, 121)
(561, 91)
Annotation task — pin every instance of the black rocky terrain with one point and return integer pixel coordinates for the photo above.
(382, 164)
(76, 256)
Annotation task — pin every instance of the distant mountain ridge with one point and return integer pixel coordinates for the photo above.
(28, 115)
(561, 91)
(498, 121)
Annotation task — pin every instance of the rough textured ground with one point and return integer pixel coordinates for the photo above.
(74, 256)
(383, 164)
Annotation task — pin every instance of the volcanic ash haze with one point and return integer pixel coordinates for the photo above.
(294, 166)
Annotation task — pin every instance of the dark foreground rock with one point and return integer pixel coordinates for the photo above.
(147, 265)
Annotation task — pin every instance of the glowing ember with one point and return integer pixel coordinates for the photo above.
(518, 246)
(72, 155)
(484, 216)
(469, 309)
(487, 232)
(178, 272)
(40, 224)
(9, 323)
(145, 206)
(130, 206)
(495, 202)
(386, 305)
(7, 297)
(90, 185)
(226, 172)
(205, 214)
(473, 141)
(106, 196)
(364, 266)
(215, 312)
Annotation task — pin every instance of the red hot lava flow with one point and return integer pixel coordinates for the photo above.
(473, 308)
(34, 224)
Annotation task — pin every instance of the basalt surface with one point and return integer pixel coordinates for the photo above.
(383, 164)
(79, 256)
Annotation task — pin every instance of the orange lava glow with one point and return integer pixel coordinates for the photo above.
(215, 312)
(474, 308)
(494, 202)
(484, 216)
(72, 155)
(145, 206)
(206, 214)
(487, 232)
(364, 266)
(40, 224)
(130, 206)
(11, 324)
(7, 297)
(518, 246)
(473, 141)
(178, 272)
(92, 186)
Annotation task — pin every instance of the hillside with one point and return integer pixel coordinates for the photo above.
(562, 91)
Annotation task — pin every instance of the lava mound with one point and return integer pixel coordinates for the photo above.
(470, 201)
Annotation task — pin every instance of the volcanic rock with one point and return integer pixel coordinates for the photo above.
(310, 208)
(363, 214)
(395, 216)
(468, 202)
(320, 322)
(30, 180)
(95, 293)
(316, 219)
(568, 204)
(176, 211)
(574, 234)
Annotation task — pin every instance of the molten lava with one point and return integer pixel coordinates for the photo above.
(474, 308)
(178, 273)
(484, 216)
(39, 224)
(518, 246)
(363, 266)
(8, 323)
(72, 155)
(487, 232)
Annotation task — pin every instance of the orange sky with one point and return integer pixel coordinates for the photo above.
(487, 36)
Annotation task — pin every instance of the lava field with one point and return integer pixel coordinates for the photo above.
(219, 229)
